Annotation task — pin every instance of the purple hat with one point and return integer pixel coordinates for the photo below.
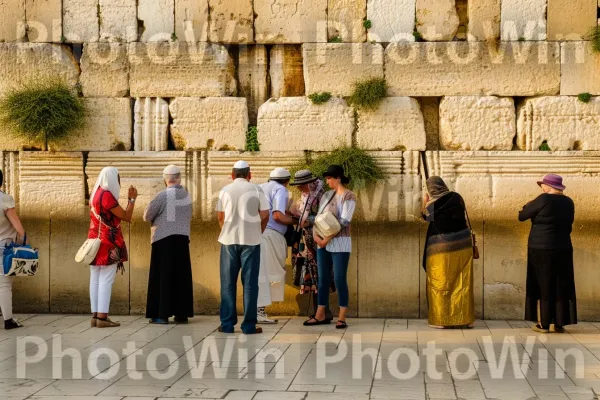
(553, 180)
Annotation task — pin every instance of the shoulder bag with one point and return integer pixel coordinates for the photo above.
(20, 260)
(88, 251)
(475, 248)
(326, 224)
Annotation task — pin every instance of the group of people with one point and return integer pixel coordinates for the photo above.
(256, 221)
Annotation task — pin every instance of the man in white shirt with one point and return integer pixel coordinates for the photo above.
(273, 247)
(243, 213)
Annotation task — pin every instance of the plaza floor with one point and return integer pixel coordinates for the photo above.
(61, 356)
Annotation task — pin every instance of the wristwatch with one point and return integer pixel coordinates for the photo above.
(132, 200)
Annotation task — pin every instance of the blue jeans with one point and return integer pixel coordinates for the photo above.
(233, 259)
(325, 260)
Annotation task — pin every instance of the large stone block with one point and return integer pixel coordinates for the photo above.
(107, 127)
(23, 63)
(472, 68)
(209, 123)
(580, 69)
(345, 20)
(231, 21)
(180, 69)
(477, 123)
(104, 70)
(571, 20)
(294, 123)
(336, 67)
(523, 20)
(158, 17)
(151, 126)
(396, 124)
(191, 20)
(564, 122)
(286, 71)
(118, 20)
(484, 20)
(437, 20)
(252, 73)
(391, 21)
(12, 27)
(11, 141)
(290, 21)
(44, 20)
(80, 21)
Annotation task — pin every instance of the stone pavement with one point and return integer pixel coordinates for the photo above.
(60, 356)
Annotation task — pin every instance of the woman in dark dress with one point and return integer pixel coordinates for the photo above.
(550, 278)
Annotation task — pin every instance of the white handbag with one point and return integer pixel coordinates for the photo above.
(88, 251)
(326, 224)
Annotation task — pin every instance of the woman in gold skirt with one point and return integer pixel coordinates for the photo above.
(448, 258)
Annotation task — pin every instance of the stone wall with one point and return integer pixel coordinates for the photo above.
(477, 92)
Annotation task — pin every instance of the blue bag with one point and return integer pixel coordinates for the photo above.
(20, 260)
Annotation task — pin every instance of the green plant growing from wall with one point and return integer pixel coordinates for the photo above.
(319, 98)
(44, 111)
(368, 93)
(367, 24)
(594, 36)
(359, 166)
(584, 97)
(252, 139)
(418, 37)
(173, 37)
(544, 146)
(335, 39)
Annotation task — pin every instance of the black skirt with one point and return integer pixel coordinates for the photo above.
(551, 281)
(170, 285)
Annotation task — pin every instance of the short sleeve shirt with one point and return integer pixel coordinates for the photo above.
(112, 244)
(7, 231)
(241, 202)
(278, 197)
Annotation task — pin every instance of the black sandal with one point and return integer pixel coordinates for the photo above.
(341, 325)
(317, 322)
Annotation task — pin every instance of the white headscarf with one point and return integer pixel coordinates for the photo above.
(107, 180)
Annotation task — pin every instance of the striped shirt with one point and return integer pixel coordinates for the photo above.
(342, 207)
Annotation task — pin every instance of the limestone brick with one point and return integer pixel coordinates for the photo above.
(472, 68)
(477, 123)
(252, 74)
(104, 70)
(580, 69)
(336, 67)
(158, 17)
(180, 69)
(523, 19)
(571, 20)
(286, 71)
(191, 20)
(484, 20)
(80, 21)
(44, 20)
(209, 123)
(9, 164)
(294, 123)
(22, 63)
(118, 21)
(291, 21)
(10, 141)
(392, 21)
(231, 21)
(396, 124)
(151, 126)
(564, 122)
(12, 28)
(107, 127)
(345, 20)
(437, 20)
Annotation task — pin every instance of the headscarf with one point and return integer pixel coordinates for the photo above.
(436, 187)
(107, 180)
(315, 192)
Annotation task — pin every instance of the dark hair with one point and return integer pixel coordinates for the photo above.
(241, 173)
(280, 180)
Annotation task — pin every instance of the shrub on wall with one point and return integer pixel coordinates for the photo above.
(46, 111)
(319, 98)
(584, 97)
(594, 36)
(252, 139)
(368, 94)
(359, 166)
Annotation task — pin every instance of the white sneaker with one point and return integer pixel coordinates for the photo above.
(262, 317)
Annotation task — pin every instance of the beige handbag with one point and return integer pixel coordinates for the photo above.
(326, 224)
(88, 251)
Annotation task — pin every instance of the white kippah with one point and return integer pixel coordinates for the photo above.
(241, 165)
(280, 173)
(171, 170)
